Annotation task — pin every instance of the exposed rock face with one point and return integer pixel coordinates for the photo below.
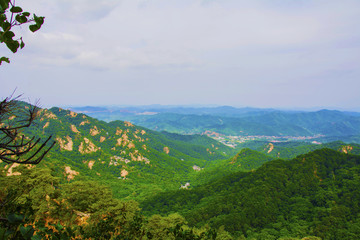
(118, 131)
(270, 147)
(102, 139)
(91, 164)
(118, 142)
(138, 157)
(123, 140)
(45, 126)
(87, 147)
(128, 124)
(74, 129)
(47, 114)
(65, 144)
(131, 145)
(347, 149)
(124, 173)
(70, 173)
(72, 114)
(10, 170)
(166, 150)
(84, 122)
(94, 131)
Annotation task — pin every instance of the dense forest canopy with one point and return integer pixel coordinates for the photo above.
(118, 180)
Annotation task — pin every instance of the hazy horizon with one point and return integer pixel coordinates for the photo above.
(209, 106)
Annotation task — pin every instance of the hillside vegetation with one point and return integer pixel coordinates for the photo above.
(120, 181)
(308, 195)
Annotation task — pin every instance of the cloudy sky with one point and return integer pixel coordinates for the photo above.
(259, 53)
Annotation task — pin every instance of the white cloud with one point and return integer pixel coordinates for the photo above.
(180, 32)
(274, 44)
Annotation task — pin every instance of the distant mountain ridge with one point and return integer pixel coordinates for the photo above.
(332, 124)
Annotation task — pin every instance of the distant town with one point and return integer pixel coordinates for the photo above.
(234, 141)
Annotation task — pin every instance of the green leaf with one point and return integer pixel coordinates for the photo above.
(13, 45)
(26, 14)
(2, 17)
(34, 27)
(27, 232)
(15, 218)
(4, 59)
(36, 237)
(16, 9)
(21, 18)
(4, 4)
(6, 26)
(59, 227)
(8, 35)
(38, 20)
(22, 44)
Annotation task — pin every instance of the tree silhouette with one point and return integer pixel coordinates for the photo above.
(14, 146)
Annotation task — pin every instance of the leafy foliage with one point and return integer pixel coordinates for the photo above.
(297, 198)
(11, 16)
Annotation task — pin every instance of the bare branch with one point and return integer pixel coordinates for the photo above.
(15, 148)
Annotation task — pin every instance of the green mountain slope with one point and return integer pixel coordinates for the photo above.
(133, 160)
(289, 150)
(308, 195)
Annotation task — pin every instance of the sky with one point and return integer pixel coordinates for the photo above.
(256, 53)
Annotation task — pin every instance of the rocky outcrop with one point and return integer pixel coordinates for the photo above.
(74, 129)
(87, 147)
(66, 144)
(70, 174)
(94, 131)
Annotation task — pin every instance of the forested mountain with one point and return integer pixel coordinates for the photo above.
(331, 125)
(125, 156)
(202, 189)
(289, 150)
(308, 195)
(327, 123)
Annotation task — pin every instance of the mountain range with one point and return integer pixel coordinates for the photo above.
(260, 189)
(325, 125)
